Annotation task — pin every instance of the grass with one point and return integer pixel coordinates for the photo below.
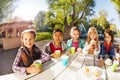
(43, 36)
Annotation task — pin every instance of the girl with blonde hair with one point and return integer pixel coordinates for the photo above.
(75, 40)
(28, 53)
(92, 45)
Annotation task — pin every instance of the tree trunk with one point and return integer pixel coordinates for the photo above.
(66, 34)
(67, 28)
(73, 16)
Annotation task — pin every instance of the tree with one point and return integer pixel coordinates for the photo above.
(117, 5)
(6, 8)
(39, 20)
(101, 22)
(93, 22)
(68, 13)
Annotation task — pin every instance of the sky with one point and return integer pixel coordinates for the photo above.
(28, 9)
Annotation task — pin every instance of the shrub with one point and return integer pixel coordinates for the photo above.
(43, 36)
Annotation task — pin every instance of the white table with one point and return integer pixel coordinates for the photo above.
(19, 76)
(54, 71)
(71, 72)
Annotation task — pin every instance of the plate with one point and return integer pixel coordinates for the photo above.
(90, 73)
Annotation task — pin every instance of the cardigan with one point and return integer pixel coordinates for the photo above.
(69, 44)
(103, 51)
(20, 66)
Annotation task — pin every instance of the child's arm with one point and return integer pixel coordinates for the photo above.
(45, 57)
(16, 67)
(101, 54)
(63, 46)
(47, 49)
(112, 52)
(81, 44)
(97, 51)
(85, 50)
(69, 44)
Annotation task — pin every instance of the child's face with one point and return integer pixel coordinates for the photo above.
(107, 37)
(93, 35)
(75, 35)
(57, 36)
(28, 39)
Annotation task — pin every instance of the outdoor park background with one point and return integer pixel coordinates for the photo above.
(47, 15)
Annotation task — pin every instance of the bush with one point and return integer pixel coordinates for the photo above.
(43, 36)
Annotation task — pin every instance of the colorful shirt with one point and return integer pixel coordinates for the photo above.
(20, 66)
(75, 44)
(70, 42)
(51, 47)
(107, 50)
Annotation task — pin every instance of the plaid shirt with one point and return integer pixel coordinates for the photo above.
(20, 66)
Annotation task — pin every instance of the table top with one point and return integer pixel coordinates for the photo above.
(55, 70)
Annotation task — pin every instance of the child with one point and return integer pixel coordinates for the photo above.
(56, 44)
(75, 41)
(28, 53)
(107, 47)
(92, 45)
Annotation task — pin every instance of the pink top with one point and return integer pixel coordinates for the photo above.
(75, 44)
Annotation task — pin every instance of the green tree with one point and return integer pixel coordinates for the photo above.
(67, 13)
(93, 22)
(101, 22)
(6, 8)
(117, 5)
(39, 20)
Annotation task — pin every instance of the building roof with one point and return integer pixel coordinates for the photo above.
(15, 23)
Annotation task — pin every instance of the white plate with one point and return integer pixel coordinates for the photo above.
(90, 74)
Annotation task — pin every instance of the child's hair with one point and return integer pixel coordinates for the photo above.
(109, 32)
(58, 30)
(32, 31)
(73, 29)
(92, 29)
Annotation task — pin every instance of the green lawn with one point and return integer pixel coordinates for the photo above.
(43, 36)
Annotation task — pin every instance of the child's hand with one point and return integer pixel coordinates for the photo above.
(55, 55)
(101, 62)
(79, 50)
(34, 69)
(117, 55)
(93, 44)
(91, 51)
